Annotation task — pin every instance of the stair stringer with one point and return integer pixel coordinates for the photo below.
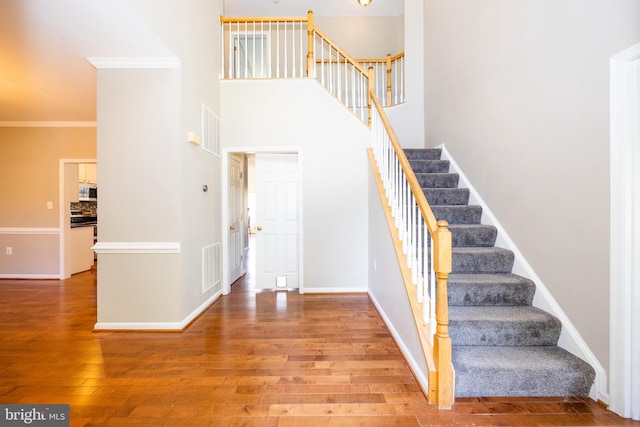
(570, 339)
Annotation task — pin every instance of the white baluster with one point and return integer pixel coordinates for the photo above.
(246, 60)
(419, 262)
(253, 54)
(286, 52)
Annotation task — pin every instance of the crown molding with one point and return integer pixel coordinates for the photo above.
(161, 62)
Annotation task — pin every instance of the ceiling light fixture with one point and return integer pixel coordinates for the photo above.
(364, 2)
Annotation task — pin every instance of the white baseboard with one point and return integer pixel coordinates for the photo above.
(31, 276)
(570, 338)
(362, 290)
(157, 326)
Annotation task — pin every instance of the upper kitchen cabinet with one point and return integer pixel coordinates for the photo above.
(88, 173)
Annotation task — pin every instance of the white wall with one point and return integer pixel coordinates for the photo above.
(152, 177)
(518, 93)
(275, 114)
(364, 36)
(139, 175)
(193, 35)
(408, 119)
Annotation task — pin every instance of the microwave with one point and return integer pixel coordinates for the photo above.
(86, 193)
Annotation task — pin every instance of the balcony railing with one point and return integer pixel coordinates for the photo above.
(293, 47)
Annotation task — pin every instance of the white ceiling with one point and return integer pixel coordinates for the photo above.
(319, 8)
(44, 45)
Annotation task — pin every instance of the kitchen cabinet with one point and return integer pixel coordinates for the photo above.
(88, 173)
(81, 254)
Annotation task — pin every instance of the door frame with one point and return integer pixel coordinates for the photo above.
(226, 152)
(243, 182)
(63, 207)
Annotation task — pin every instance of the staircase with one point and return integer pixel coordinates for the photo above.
(502, 345)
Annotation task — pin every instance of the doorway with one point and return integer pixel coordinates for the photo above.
(273, 219)
(68, 192)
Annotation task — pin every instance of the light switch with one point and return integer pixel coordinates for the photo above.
(49, 205)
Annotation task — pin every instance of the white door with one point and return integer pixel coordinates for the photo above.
(277, 219)
(235, 218)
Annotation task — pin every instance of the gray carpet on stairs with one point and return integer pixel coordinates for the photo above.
(502, 346)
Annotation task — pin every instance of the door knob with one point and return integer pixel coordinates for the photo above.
(259, 228)
(231, 227)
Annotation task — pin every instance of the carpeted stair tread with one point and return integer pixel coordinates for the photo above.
(502, 326)
(438, 180)
(423, 153)
(502, 345)
(520, 371)
(473, 235)
(429, 166)
(458, 214)
(481, 260)
(446, 196)
(489, 289)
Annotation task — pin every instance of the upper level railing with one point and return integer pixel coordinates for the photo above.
(292, 47)
(389, 77)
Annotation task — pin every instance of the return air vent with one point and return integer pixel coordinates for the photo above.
(211, 266)
(210, 131)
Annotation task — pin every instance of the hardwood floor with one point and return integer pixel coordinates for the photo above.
(252, 359)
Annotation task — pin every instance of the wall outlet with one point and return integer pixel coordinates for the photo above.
(9, 250)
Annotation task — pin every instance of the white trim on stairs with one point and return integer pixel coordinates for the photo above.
(570, 339)
(625, 233)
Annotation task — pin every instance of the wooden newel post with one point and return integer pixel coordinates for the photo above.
(370, 90)
(442, 341)
(388, 80)
(310, 55)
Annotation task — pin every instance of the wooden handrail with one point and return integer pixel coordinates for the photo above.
(388, 61)
(242, 19)
(441, 388)
(352, 61)
(381, 60)
(421, 200)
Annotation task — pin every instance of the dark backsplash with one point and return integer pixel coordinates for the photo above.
(87, 208)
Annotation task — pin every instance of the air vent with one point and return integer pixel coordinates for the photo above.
(211, 266)
(210, 131)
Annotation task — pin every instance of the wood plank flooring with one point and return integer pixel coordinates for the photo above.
(252, 359)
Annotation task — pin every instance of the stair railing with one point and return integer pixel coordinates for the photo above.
(389, 77)
(344, 77)
(264, 47)
(426, 244)
(293, 47)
